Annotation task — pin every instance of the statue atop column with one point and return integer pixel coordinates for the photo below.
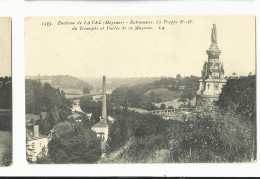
(214, 34)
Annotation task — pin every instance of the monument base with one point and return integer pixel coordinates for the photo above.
(205, 101)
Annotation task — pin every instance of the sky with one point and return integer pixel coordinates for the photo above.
(57, 50)
(5, 47)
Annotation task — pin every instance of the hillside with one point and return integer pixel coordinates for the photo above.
(113, 83)
(165, 89)
(62, 81)
(162, 94)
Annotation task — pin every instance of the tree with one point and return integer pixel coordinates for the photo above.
(81, 145)
(170, 107)
(86, 90)
(178, 76)
(163, 106)
(239, 95)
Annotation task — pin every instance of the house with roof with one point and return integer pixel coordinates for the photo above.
(35, 143)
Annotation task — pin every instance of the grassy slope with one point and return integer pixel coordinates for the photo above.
(164, 94)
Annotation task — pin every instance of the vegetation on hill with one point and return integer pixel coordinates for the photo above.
(144, 95)
(88, 105)
(45, 98)
(218, 134)
(208, 138)
(6, 93)
(113, 83)
(5, 103)
(79, 144)
(66, 82)
(239, 95)
(63, 81)
(5, 120)
(225, 132)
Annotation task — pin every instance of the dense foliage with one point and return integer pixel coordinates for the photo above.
(65, 82)
(88, 105)
(6, 93)
(45, 98)
(218, 134)
(136, 96)
(79, 144)
(5, 120)
(206, 138)
(239, 95)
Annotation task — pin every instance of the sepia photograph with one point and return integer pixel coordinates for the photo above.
(5, 92)
(138, 89)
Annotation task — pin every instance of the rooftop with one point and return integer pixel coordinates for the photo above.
(30, 137)
(100, 124)
(31, 117)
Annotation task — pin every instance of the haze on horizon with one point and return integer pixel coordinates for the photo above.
(119, 54)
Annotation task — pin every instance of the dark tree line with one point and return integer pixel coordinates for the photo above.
(239, 95)
(88, 105)
(6, 103)
(45, 98)
(6, 93)
(73, 143)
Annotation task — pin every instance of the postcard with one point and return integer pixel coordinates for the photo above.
(5, 92)
(140, 89)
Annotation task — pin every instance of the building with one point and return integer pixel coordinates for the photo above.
(35, 143)
(212, 74)
(101, 128)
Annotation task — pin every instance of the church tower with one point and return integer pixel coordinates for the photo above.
(212, 74)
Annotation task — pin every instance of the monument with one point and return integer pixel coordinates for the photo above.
(212, 74)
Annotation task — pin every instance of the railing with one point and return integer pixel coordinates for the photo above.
(169, 112)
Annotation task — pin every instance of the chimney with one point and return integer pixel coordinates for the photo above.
(104, 102)
(36, 130)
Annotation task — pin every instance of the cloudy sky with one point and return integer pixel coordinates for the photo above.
(5, 47)
(57, 50)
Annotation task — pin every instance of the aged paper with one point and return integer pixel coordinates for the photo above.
(5, 92)
(140, 89)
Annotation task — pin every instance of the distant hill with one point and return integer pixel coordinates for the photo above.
(113, 83)
(63, 81)
(144, 95)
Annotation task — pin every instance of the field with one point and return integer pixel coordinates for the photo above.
(164, 94)
(174, 103)
(5, 141)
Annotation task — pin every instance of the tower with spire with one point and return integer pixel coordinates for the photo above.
(212, 74)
